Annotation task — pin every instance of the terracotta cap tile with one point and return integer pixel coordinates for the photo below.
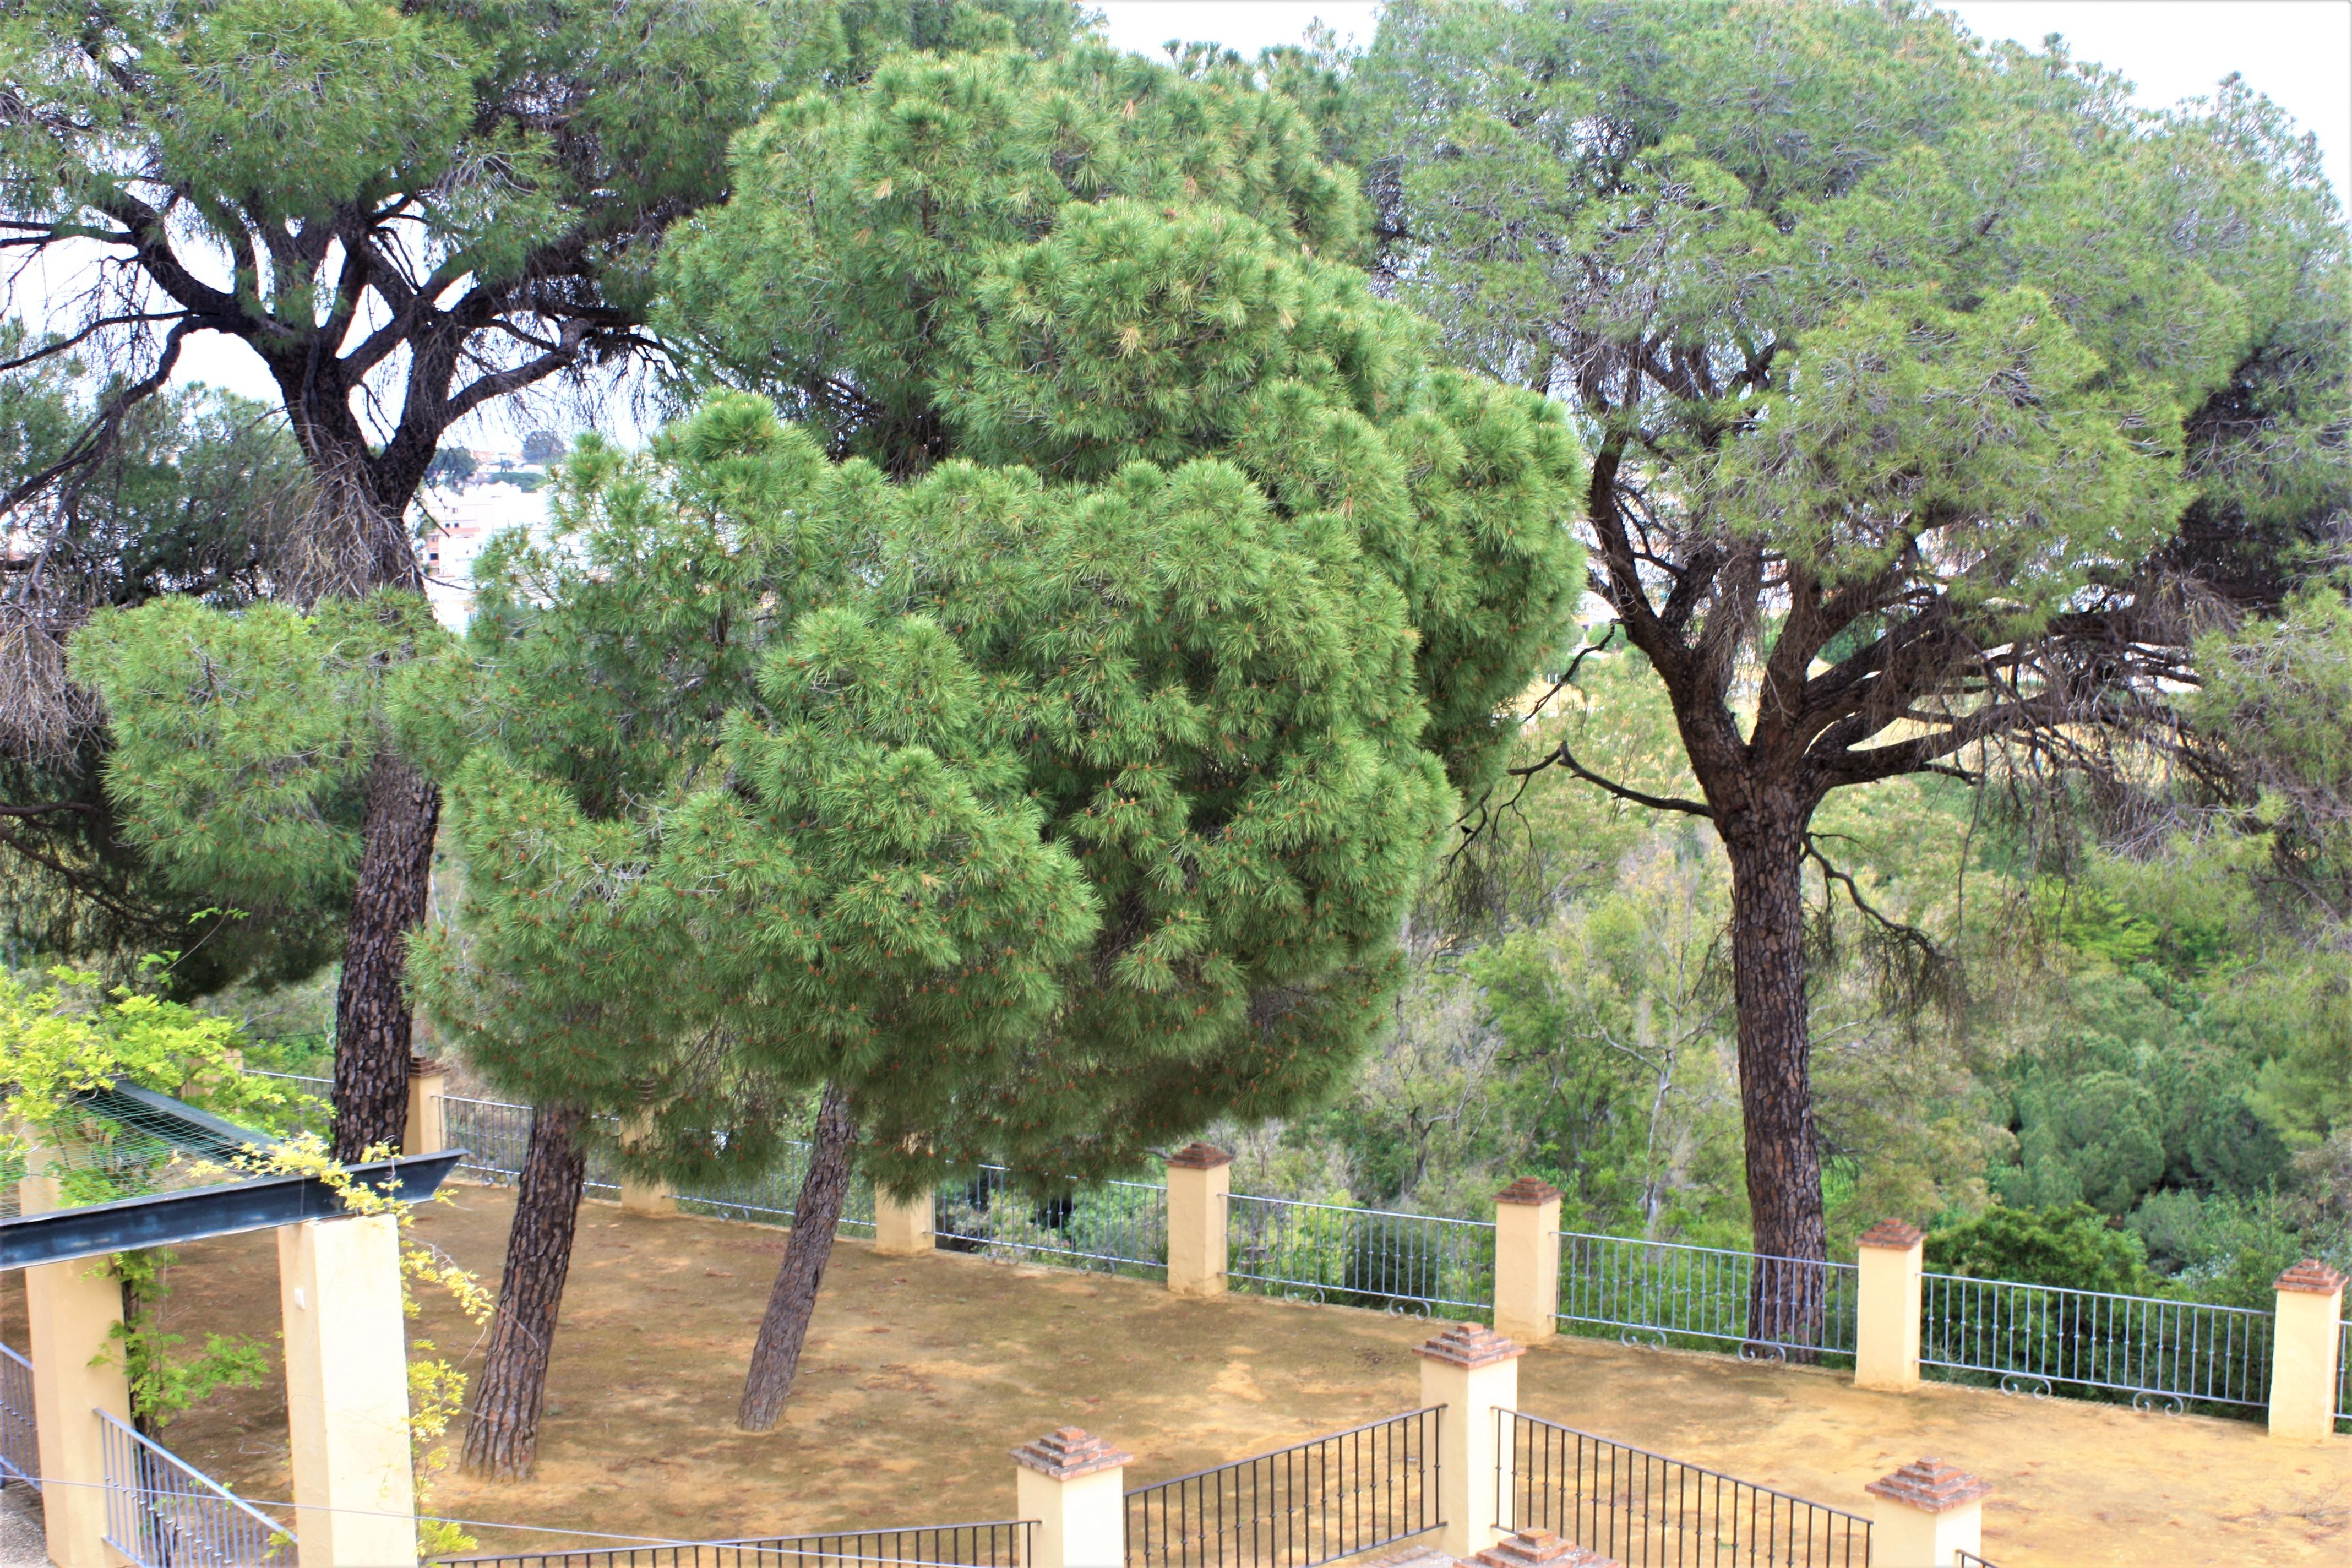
(1540, 1549)
(2310, 1277)
(1894, 1235)
(1199, 1157)
(1930, 1486)
(1469, 1345)
(421, 1064)
(1527, 1190)
(1067, 1451)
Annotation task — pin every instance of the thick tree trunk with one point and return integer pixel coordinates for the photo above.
(1786, 1299)
(502, 1434)
(372, 1015)
(784, 1328)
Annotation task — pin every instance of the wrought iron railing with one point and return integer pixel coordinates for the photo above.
(1964, 1558)
(316, 1117)
(769, 1196)
(1703, 1298)
(164, 1513)
(20, 1434)
(1331, 1497)
(1117, 1226)
(1360, 1257)
(1646, 1511)
(2044, 1339)
(996, 1544)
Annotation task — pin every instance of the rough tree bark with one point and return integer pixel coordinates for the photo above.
(1786, 1301)
(502, 1432)
(790, 1304)
(372, 1022)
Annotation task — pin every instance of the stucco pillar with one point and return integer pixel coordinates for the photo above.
(71, 1310)
(347, 1392)
(1925, 1513)
(1200, 1177)
(428, 1081)
(1526, 1260)
(1074, 1484)
(1886, 1308)
(2306, 1339)
(903, 1229)
(1473, 1371)
(647, 1198)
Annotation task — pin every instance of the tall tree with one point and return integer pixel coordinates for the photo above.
(1934, 395)
(480, 192)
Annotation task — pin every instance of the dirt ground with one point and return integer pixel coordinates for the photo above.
(921, 1373)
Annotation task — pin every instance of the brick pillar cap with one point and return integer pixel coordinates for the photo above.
(2310, 1277)
(1528, 1190)
(1930, 1486)
(1469, 1345)
(1069, 1451)
(1540, 1549)
(417, 1064)
(1199, 1157)
(1894, 1235)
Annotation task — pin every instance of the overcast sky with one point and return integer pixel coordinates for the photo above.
(2297, 51)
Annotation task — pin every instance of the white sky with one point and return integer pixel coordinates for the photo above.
(2297, 51)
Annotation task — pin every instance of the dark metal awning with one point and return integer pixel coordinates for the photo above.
(167, 1219)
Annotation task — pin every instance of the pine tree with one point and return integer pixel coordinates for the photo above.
(1936, 395)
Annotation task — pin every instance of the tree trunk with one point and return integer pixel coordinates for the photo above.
(502, 1434)
(1786, 1298)
(372, 1016)
(783, 1330)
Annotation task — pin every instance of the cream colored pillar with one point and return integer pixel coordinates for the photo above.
(1526, 1260)
(1074, 1484)
(347, 1392)
(1473, 1371)
(72, 1310)
(1887, 1309)
(644, 1198)
(1925, 1513)
(428, 1082)
(903, 1229)
(1200, 1178)
(2307, 1337)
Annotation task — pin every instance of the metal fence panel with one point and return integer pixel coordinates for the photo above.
(2343, 1372)
(1360, 1257)
(1120, 1227)
(1667, 1293)
(164, 1513)
(1333, 1497)
(996, 1544)
(2042, 1339)
(1646, 1511)
(769, 1197)
(20, 1434)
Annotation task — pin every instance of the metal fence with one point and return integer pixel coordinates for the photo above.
(1703, 1298)
(768, 1197)
(2343, 1372)
(996, 1544)
(20, 1434)
(1646, 1511)
(317, 1117)
(1964, 1558)
(1360, 1257)
(1120, 1227)
(1313, 1502)
(162, 1514)
(2042, 1339)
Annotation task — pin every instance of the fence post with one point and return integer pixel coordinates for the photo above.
(1074, 1484)
(2305, 1343)
(1526, 1260)
(347, 1392)
(1886, 1307)
(1200, 1177)
(428, 1081)
(71, 1308)
(1473, 1371)
(648, 1198)
(1927, 1513)
(903, 1229)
